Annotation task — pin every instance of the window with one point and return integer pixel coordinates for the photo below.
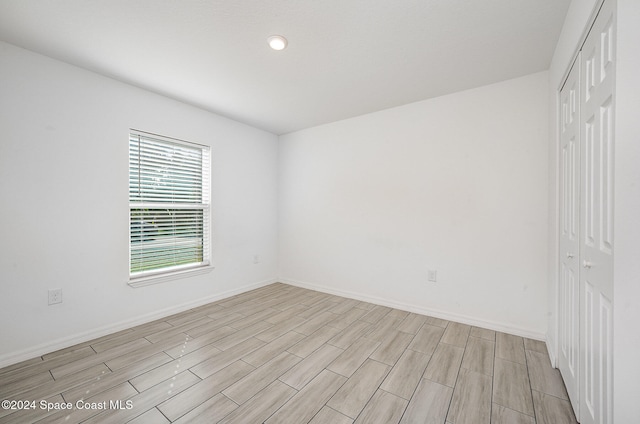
(168, 206)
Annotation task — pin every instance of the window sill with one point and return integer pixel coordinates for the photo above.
(169, 276)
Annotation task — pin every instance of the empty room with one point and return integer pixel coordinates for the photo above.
(243, 211)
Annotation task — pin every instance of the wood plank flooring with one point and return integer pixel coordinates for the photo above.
(283, 354)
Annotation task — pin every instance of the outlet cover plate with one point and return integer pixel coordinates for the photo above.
(55, 296)
(432, 275)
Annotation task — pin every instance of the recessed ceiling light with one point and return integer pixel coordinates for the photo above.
(277, 42)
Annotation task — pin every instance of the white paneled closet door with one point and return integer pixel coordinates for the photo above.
(596, 217)
(569, 290)
(585, 332)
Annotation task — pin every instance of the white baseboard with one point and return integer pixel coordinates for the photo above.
(491, 325)
(552, 354)
(62, 343)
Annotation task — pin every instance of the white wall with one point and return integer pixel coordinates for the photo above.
(64, 213)
(626, 291)
(456, 183)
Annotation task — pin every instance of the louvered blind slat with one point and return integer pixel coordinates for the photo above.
(169, 204)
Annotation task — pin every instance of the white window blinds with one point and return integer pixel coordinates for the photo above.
(168, 204)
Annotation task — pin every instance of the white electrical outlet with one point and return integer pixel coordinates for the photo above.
(256, 259)
(432, 275)
(55, 296)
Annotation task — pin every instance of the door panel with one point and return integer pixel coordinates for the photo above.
(569, 293)
(596, 214)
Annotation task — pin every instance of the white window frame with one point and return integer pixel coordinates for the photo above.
(143, 278)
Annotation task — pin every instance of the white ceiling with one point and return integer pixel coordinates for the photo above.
(345, 57)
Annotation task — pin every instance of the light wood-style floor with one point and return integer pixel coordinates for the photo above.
(282, 354)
